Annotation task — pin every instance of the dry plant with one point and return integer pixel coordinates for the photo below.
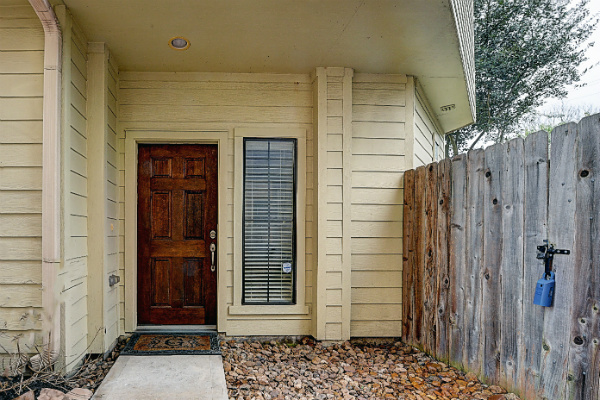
(25, 372)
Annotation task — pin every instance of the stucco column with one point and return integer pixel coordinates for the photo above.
(333, 152)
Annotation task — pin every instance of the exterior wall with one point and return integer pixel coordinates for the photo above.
(368, 130)
(172, 103)
(111, 225)
(428, 138)
(367, 127)
(378, 159)
(73, 276)
(21, 93)
(103, 324)
(462, 11)
(333, 122)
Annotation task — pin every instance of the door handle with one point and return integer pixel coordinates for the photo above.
(213, 248)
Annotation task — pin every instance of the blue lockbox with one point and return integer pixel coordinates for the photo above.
(544, 290)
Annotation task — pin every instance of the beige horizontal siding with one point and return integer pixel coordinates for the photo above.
(221, 101)
(74, 277)
(428, 146)
(378, 162)
(21, 91)
(112, 316)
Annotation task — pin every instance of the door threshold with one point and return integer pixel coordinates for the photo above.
(176, 328)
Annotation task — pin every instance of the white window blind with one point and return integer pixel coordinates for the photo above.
(269, 221)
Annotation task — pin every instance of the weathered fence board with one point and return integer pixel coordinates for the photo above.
(511, 266)
(419, 255)
(473, 266)
(584, 322)
(429, 278)
(536, 216)
(408, 261)
(442, 260)
(561, 231)
(457, 261)
(590, 128)
(470, 266)
(492, 256)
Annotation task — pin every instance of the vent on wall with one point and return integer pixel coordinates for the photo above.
(448, 108)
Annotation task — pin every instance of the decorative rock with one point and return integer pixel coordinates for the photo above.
(471, 377)
(496, 389)
(511, 396)
(226, 366)
(51, 394)
(26, 396)
(79, 394)
(351, 370)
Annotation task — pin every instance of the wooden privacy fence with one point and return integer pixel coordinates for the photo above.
(471, 227)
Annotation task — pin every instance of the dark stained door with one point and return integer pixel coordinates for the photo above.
(177, 209)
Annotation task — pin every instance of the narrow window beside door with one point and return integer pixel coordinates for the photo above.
(269, 223)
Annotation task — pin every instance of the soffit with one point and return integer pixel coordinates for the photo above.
(413, 37)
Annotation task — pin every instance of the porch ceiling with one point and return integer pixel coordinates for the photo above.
(413, 37)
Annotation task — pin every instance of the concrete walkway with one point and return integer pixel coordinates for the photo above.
(164, 377)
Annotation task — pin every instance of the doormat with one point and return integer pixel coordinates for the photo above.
(155, 344)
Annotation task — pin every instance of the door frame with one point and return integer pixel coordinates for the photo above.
(132, 139)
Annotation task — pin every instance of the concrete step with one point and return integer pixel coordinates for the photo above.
(186, 377)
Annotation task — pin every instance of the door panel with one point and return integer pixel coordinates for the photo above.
(177, 208)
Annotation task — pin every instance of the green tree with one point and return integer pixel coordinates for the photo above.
(525, 51)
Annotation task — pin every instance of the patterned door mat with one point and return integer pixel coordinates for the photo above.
(154, 344)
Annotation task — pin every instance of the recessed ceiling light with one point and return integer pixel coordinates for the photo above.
(179, 43)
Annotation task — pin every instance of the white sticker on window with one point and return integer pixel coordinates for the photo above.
(287, 268)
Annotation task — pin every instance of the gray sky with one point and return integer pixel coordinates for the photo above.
(588, 95)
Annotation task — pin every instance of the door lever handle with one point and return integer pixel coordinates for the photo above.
(213, 248)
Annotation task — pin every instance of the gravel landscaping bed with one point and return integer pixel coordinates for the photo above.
(349, 370)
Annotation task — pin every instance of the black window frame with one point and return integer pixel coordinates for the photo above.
(294, 223)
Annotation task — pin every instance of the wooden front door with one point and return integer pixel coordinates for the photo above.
(177, 210)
